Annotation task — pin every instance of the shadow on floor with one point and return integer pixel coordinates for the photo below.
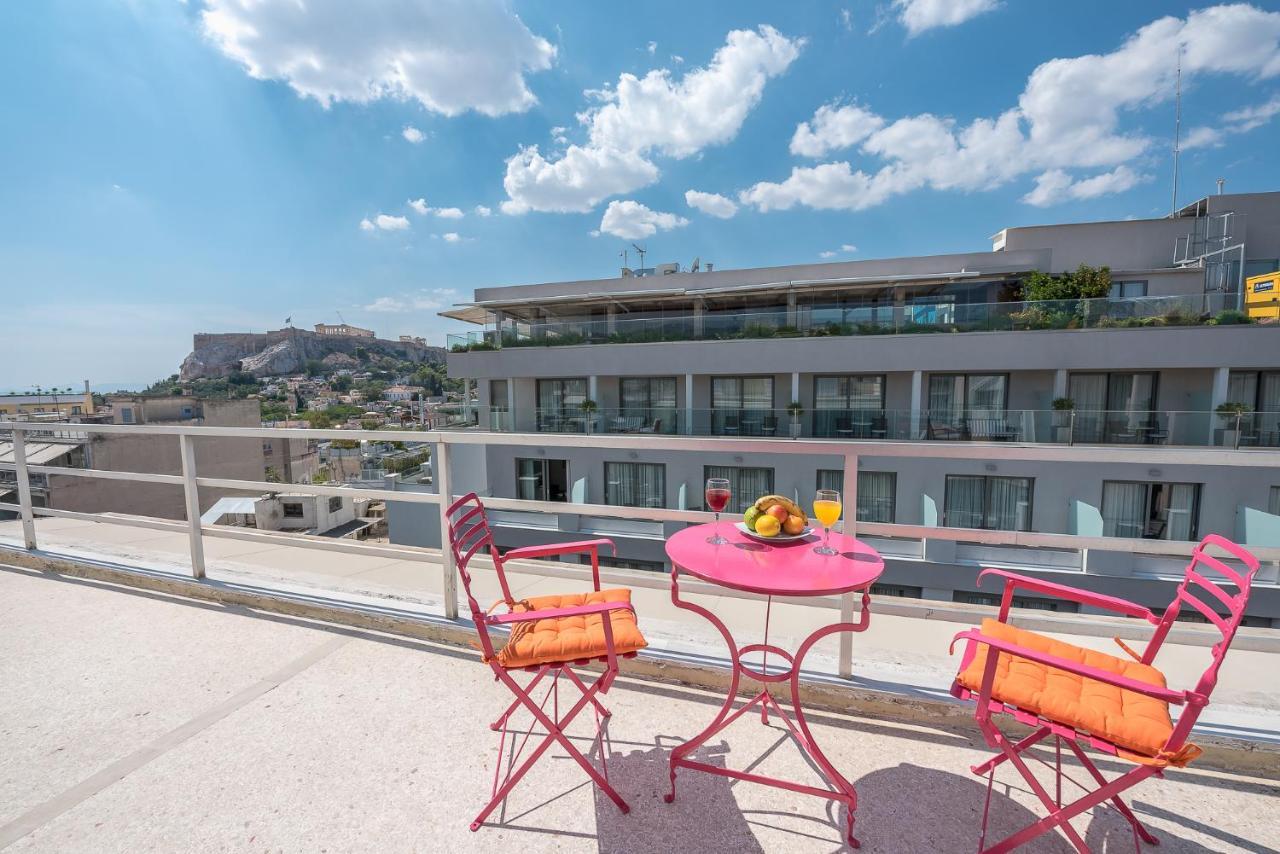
(704, 817)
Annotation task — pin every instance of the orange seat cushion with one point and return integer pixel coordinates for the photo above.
(1125, 718)
(563, 639)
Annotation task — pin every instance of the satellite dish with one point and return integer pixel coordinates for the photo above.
(696, 265)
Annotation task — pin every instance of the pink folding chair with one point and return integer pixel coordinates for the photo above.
(1119, 707)
(549, 636)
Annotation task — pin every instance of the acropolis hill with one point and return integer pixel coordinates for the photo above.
(286, 351)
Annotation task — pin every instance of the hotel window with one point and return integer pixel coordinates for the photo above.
(1260, 391)
(955, 397)
(292, 510)
(648, 400)
(1273, 504)
(876, 492)
(993, 503)
(560, 404)
(126, 415)
(743, 406)
(850, 406)
(746, 483)
(335, 503)
(1112, 407)
(635, 484)
(542, 480)
(1150, 511)
(498, 395)
(1127, 290)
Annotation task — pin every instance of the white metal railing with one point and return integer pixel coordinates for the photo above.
(849, 451)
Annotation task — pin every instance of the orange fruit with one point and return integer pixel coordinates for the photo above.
(768, 526)
(793, 526)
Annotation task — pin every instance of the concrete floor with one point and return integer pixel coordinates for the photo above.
(133, 722)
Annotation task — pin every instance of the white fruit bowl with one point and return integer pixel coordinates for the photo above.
(780, 538)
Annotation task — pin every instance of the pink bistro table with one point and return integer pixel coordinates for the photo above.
(772, 569)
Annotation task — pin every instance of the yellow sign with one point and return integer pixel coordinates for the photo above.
(1262, 296)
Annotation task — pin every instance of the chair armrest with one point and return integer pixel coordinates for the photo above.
(552, 613)
(1084, 597)
(526, 552)
(1177, 698)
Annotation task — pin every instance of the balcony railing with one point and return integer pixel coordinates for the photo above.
(844, 456)
(1192, 428)
(827, 321)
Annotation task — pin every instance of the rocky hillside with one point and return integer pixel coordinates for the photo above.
(286, 351)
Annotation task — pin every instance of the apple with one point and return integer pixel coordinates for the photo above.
(778, 512)
(793, 526)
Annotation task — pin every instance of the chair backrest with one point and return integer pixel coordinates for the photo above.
(1207, 597)
(468, 535)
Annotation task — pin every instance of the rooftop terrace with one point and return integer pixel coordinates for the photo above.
(232, 718)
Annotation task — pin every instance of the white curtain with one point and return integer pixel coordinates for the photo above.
(747, 484)
(1009, 504)
(1181, 512)
(1124, 509)
(635, 484)
(965, 501)
(876, 491)
(1089, 393)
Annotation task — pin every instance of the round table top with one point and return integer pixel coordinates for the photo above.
(776, 569)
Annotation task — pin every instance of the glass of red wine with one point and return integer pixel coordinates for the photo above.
(718, 495)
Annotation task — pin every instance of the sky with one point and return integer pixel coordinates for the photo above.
(172, 167)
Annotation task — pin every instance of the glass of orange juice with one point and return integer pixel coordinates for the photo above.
(826, 508)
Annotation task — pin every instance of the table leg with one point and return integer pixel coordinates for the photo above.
(683, 750)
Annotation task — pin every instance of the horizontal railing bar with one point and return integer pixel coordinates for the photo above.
(150, 522)
(104, 474)
(973, 450)
(318, 489)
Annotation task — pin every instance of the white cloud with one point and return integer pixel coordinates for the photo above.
(450, 56)
(832, 128)
(652, 115)
(677, 59)
(921, 15)
(1234, 122)
(1057, 186)
(846, 20)
(1067, 118)
(412, 134)
(710, 203)
(421, 207)
(451, 237)
(384, 222)
(826, 254)
(845, 248)
(652, 47)
(423, 300)
(848, 247)
(481, 210)
(631, 220)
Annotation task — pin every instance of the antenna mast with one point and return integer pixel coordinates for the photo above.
(641, 254)
(1177, 134)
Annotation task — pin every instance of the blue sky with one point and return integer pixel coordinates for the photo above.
(173, 167)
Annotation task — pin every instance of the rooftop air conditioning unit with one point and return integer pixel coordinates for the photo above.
(668, 269)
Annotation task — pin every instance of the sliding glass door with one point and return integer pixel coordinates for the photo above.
(1113, 407)
(850, 406)
(743, 406)
(993, 503)
(560, 405)
(648, 402)
(957, 399)
(1151, 511)
(635, 484)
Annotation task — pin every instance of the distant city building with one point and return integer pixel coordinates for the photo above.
(401, 392)
(56, 403)
(322, 515)
(224, 457)
(413, 339)
(343, 330)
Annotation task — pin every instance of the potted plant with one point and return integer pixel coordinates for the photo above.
(1232, 413)
(795, 409)
(588, 408)
(1063, 411)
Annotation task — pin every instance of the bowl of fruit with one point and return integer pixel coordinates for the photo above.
(774, 519)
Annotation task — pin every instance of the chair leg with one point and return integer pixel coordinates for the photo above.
(1059, 817)
(555, 735)
(573, 677)
(1117, 802)
(999, 759)
(515, 704)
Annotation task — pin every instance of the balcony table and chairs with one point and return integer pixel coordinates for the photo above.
(1085, 700)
